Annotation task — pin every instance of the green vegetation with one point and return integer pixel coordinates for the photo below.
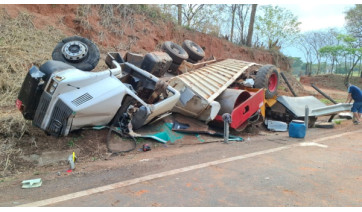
(277, 25)
(337, 121)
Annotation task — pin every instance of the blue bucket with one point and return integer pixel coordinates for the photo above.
(297, 129)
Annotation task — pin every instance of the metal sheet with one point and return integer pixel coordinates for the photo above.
(209, 81)
(206, 83)
(317, 108)
(331, 109)
(189, 125)
(297, 104)
(231, 98)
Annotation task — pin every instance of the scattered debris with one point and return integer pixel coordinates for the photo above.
(146, 147)
(345, 115)
(190, 125)
(325, 125)
(33, 183)
(276, 126)
(160, 137)
(71, 160)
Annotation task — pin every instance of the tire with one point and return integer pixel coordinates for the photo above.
(311, 121)
(173, 68)
(195, 52)
(324, 125)
(77, 51)
(191, 61)
(176, 52)
(267, 77)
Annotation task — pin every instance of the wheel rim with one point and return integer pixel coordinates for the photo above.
(74, 50)
(273, 81)
(176, 50)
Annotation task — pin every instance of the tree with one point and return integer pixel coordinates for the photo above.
(314, 40)
(179, 14)
(297, 65)
(242, 13)
(190, 12)
(354, 21)
(251, 25)
(349, 48)
(277, 25)
(307, 50)
(233, 10)
(203, 17)
(353, 49)
(331, 52)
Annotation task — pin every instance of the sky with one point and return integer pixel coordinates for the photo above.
(319, 16)
(316, 17)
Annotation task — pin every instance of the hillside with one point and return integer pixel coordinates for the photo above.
(28, 34)
(124, 29)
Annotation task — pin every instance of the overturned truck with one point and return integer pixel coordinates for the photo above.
(62, 95)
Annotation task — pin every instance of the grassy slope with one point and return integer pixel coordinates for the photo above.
(21, 45)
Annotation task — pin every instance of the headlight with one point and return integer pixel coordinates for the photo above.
(55, 84)
(52, 86)
(51, 90)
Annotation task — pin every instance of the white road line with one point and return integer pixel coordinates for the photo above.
(313, 144)
(171, 172)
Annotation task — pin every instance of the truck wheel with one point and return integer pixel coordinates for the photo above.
(173, 68)
(311, 121)
(78, 52)
(195, 52)
(191, 61)
(267, 77)
(176, 52)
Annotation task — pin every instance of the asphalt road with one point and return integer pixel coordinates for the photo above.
(324, 169)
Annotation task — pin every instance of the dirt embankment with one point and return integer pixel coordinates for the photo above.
(121, 29)
(331, 81)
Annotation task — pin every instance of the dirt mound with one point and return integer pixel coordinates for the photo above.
(283, 88)
(330, 84)
(330, 81)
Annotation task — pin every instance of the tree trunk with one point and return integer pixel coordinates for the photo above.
(360, 69)
(179, 14)
(345, 66)
(319, 65)
(332, 65)
(251, 25)
(233, 10)
(346, 80)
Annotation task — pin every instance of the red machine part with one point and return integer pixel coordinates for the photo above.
(273, 82)
(19, 104)
(240, 104)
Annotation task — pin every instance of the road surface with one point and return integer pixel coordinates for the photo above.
(324, 169)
